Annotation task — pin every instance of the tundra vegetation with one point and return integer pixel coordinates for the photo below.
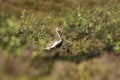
(91, 40)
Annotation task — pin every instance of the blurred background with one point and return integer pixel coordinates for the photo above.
(91, 39)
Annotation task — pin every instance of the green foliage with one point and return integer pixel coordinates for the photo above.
(92, 31)
(87, 33)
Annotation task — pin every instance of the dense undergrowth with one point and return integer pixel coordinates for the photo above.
(89, 35)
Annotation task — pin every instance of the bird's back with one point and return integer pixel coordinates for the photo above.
(53, 44)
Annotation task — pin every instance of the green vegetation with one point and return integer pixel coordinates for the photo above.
(91, 34)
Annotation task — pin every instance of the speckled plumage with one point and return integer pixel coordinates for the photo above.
(56, 43)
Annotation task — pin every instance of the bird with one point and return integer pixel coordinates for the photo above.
(57, 42)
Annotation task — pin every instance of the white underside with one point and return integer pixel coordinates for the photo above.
(53, 45)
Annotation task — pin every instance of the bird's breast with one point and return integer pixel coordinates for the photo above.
(59, 44)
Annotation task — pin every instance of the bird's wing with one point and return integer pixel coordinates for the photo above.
(52, 45)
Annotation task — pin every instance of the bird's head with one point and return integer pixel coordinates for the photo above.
(58, 29)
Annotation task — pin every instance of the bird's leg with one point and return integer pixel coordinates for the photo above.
(57, 53)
